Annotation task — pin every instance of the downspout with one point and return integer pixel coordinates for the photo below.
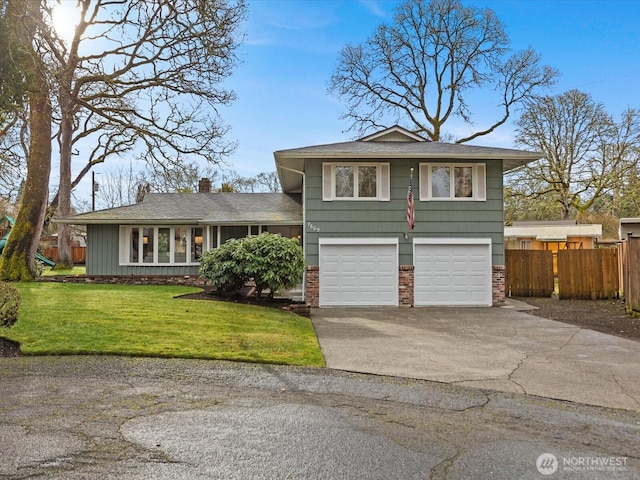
(304, 223)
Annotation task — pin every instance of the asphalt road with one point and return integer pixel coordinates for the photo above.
(130, 418)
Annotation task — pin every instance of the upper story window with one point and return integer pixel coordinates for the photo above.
(440, 181)
(355, 181)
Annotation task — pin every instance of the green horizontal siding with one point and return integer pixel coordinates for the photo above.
(103, 256)
(459, 219)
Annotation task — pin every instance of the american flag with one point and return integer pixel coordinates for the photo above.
(411, 218)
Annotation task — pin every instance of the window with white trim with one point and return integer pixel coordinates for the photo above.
(457, 181)
(161, 245)
(526, 245)
(355, 181)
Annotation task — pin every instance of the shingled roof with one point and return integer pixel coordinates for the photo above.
(197, 208)
(392, 143)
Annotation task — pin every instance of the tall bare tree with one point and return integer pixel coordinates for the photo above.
(141, 78)
(18, 256)
(586, 153)
(419, 70)
(13, 81)
(13, 92)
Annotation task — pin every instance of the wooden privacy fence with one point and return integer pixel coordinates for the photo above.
(529, 273)
(629, 256)
(588, 274)
(78, 254)
(582, 274)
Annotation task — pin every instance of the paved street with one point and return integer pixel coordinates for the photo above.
(128, 418)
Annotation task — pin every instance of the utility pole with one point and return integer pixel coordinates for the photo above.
(94, 189)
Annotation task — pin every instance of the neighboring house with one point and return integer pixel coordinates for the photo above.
(551, 235)
(348, 204)
(629, 226)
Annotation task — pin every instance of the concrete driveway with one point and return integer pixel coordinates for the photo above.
(501, 349)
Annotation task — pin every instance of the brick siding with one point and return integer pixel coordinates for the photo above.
(312, 286)
(497, 285)
(405, 285)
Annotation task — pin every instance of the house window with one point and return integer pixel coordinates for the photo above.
(355, 181)
(161, 245)
(147, 245)
(287, 231)
(452, 181)
(197, 243)
(134, 247)
(180, 235)
(227, 232)
(526, 245)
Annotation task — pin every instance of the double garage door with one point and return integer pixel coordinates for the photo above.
(448, 272)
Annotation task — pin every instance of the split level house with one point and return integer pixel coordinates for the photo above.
(348, 203)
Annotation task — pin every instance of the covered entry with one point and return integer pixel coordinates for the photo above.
(358, 272)
(452, 272)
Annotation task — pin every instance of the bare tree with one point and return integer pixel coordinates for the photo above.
(116, 187)
(265, 182)
(13, 101)
(587, 154)
(418, 70)
(182, 180)
(18, 256)
(268, 182)
(14, 148)
(141, 77)
(13, 81)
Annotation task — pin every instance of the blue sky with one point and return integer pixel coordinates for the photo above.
(291, 51)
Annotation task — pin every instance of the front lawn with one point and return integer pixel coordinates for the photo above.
(145, 320)
(76, 270)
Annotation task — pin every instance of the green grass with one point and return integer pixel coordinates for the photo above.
(144, 320)
(76, 270)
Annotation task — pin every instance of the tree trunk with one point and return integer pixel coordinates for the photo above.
(18, 257)
(65, 260)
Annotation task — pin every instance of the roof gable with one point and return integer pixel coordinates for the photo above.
(394, 134)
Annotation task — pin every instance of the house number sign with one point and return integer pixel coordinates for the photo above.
(313, 227)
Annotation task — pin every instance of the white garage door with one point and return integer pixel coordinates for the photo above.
(451, 272)
(358, 274)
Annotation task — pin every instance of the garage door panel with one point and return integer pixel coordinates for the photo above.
(452, 274)
(358, 275)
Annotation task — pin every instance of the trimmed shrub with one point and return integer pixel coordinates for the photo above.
(223, 267)
(9, 304)
(272, 261)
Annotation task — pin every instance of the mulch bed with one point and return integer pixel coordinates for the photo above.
(247, 297)
(9, 348)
